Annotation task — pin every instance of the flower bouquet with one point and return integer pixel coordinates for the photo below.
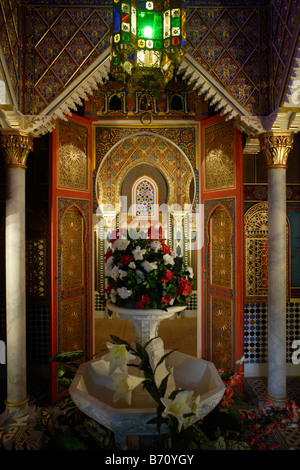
(144, 273)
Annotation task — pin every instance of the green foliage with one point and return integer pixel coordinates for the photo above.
(67, 428)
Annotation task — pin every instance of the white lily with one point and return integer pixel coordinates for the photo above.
(113, 296)
(179, 406)
(191, 272)
(120, 244)
(138, 253)
(114, 273)
(123, 385)
(155, 245)
(124, 293)
(109, 262)
(122, 273)
(107, 272)
(118, 357)
(168, 259)
(149, 266)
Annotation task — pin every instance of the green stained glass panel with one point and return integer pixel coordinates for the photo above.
(149, 25)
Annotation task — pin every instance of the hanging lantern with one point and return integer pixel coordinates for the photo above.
(147, 43)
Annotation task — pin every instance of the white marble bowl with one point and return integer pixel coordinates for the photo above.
(89, 391)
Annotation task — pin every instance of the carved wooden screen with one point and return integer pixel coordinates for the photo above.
(71, 212)
(223, 286)
(256, 254)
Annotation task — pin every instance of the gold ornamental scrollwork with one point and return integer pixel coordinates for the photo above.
(16, 146)
(276, 147)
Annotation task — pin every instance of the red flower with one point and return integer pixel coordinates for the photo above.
(166, 299)
(107, 255)
(165, 248)
(114, 236)
(144, 300)
(153, 233)
(184, 287)
(108, 288)
(168, 276)
(125, 259)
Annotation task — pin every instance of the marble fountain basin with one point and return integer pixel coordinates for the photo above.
(91, 393)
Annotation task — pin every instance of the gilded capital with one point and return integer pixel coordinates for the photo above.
(276, 147)
(15, 146)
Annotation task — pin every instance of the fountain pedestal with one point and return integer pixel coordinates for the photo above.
(146, 324)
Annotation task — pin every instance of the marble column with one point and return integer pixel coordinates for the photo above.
(276, 147)
(15, 146)
(178, 235)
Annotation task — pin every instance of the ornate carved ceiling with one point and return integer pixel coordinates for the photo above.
(65, 57)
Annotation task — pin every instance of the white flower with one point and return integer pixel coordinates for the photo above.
(122, 273)
(123, 292)
(138, 253)
(140, 276)
(191, 272)
(107, 272)
(114, 273)
(179, 406)
(109, 262)
(168, 259)
(118, 357)
(149, 266)
(123, 385)
(155, 245)
(133, 232)
(113, 296)
(132, 265)
(120, 244)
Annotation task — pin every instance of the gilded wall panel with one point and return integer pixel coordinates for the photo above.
(73, 273)
(220, 281)
(72, 258)
(221, 332)
(219, 156)
(221, 248)
(72, 156)
(72, 324)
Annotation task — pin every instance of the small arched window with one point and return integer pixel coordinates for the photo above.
(145, 198)
(115, 103)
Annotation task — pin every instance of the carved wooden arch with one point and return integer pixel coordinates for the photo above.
(73, 206)
(147, 160)
(131, 163)
(222, 241)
